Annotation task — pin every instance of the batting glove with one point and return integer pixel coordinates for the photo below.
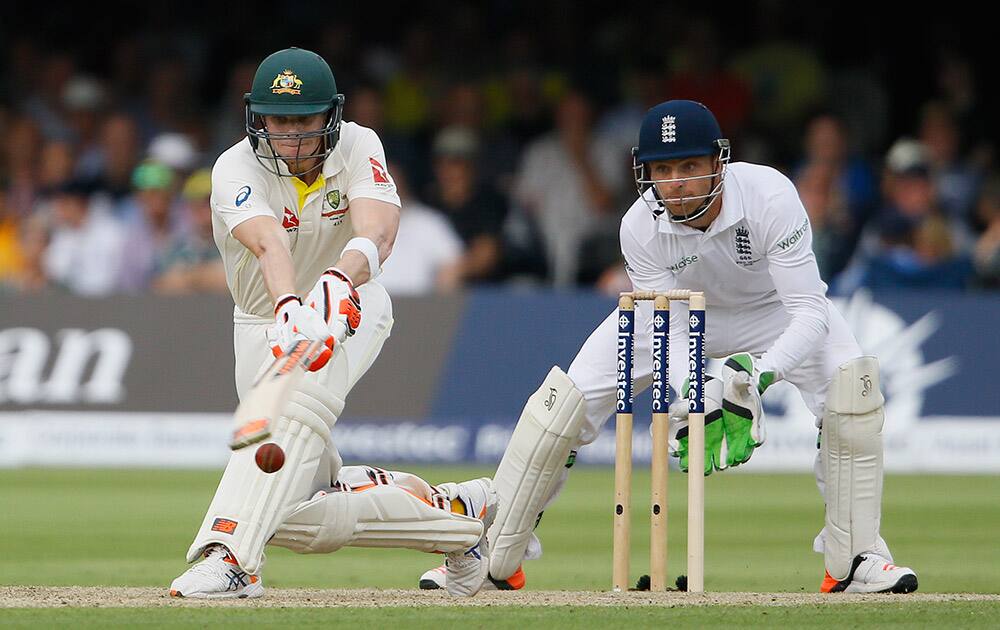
(294, 322)
(337, 302)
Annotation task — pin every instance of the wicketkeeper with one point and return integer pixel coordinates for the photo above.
(739, 233)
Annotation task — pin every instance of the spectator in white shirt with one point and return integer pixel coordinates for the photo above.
(427, 256)
(84, 254)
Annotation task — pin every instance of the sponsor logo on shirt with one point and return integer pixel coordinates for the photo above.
(379, 174)
(683, 262)
(290, 222)
(242, 195)
(794, 237)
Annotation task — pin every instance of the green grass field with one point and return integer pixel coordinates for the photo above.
(132, 528)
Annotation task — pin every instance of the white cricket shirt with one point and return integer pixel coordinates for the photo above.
(757, 254)
(317, 217)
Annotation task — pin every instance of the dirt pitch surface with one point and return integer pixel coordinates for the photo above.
(115, 597)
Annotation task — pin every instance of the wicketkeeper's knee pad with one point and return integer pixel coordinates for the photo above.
(380, 516)
(249, 503)
(851, 453)
(531, 467)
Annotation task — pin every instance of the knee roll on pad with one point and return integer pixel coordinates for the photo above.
(381, 516)
(249, 503)
(851, 452)
(531, 467)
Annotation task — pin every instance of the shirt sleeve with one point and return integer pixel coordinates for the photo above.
(368, 175)
(641, 266)
(239, 194)
(792, 267)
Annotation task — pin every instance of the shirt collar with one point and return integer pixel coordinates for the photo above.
(335, 161)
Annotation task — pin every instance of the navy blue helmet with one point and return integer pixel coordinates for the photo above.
(676, 130)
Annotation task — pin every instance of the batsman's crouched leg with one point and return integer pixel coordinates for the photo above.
(249, 504)
(380, 516)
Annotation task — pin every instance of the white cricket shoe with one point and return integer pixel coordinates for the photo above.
(437, 578)
(871, 573)
(217, 576)
(469, 568)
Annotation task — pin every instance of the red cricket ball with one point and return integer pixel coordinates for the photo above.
(270, 458)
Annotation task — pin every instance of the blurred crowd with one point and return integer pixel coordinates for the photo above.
(513, 163)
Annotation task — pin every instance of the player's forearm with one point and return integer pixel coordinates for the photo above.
(803, 336)
(268, 241)
(278, 270)
(378, 222)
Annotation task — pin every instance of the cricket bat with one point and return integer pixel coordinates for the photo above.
(266, 399)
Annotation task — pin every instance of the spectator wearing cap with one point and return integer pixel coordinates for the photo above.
(917, 247)
(474, 209)
(85, 245)
(154, 223)
(174, 150)
(84, 99)
(907, 190)
(191, 263)
(428, 255)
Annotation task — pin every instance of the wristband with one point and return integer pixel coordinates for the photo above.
(367, 247)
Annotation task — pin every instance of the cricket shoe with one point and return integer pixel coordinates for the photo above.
(438, 578)
(217, 576)
(469, 567)
(871, 573)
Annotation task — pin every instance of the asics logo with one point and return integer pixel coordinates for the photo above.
(237, 579)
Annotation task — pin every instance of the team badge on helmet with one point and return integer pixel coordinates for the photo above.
(286, 83)
(671, 131)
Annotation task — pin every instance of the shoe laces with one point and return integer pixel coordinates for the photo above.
(213, 555)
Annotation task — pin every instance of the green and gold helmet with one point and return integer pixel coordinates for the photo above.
(293, 82)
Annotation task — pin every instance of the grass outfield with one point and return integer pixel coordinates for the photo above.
(132, 528)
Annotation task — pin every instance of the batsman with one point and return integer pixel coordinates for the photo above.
(304, 213)
(738, 233)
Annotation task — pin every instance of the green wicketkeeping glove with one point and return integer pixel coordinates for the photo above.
(715, 442)
(742, 412)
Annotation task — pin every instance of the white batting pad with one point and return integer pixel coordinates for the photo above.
(249, 503)
(380, 516)
(548, 429)
(851, 452)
